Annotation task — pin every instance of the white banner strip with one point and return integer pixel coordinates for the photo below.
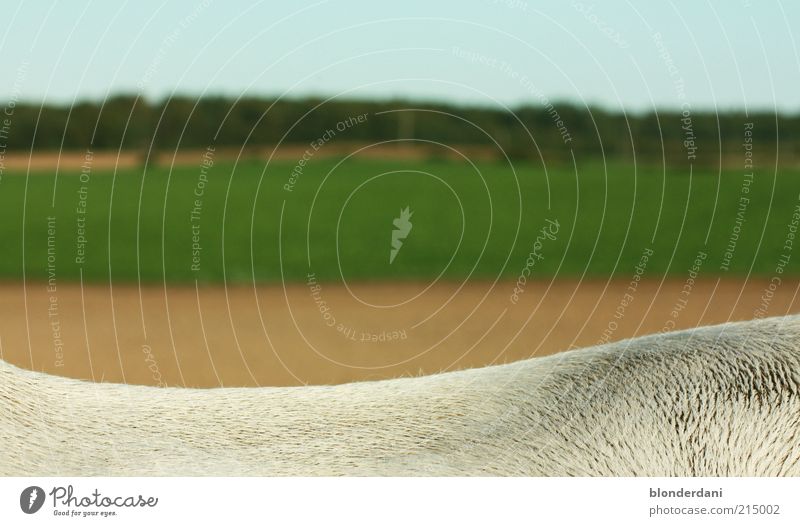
(405, 502)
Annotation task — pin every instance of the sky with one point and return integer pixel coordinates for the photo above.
(734, 54)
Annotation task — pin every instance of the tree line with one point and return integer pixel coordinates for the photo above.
(555, 132)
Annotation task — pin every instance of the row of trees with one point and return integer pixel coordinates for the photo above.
(555, 132)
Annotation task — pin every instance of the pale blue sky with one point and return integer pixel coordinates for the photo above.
(727, 53)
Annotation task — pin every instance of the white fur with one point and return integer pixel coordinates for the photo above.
(721, 400)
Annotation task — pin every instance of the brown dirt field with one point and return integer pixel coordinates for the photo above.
(48, 161)
(271, 335)
(45, 162)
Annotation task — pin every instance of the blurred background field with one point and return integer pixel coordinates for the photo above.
(473, 220)
(209, 194)
(143, 307)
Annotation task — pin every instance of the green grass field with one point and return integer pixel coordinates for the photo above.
(479, 221)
